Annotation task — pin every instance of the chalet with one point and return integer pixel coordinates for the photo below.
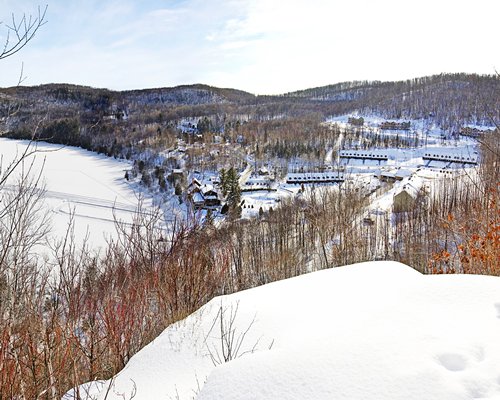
(203, 196)
(194, 186)
(198, 200)
(210, 196)
(405, 199)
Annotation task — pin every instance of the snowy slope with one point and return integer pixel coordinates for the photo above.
(377, 330)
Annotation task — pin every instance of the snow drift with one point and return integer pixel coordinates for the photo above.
(377, 330)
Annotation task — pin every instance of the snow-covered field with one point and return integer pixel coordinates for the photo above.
(377, 330)
(90, 186)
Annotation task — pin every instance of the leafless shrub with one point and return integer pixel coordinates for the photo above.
(230, 338)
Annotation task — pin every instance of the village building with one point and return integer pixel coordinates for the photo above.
(203, 196)
(259, 182)
(395, 126)
(362, 158)
(449, 158)
(394, 174)
(363, 155)
(197, 200)
(314, 177)
(194, 186)
(474, 131)
(405, 199)
(211, 197)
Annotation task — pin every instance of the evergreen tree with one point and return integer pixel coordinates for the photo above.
(223, 182)
(234, 191)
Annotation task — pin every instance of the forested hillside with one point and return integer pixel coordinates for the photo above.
(113, 122)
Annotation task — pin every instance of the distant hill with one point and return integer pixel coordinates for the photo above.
(465, 96)
(448, 98)
(179, 95)
(100, 117)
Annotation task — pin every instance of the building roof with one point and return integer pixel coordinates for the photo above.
(307, 177)
(198, 198)
(412, 187)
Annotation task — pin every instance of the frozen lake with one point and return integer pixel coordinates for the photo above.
(79, 182)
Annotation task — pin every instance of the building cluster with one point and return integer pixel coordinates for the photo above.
(473, 131)
(203, 196)
(395, 126)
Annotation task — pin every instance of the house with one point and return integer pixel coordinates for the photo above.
(194, 186)
(203, 196)
(198, 200)
(405, 199)
(210, 196)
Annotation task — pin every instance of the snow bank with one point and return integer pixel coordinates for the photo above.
(377, 330)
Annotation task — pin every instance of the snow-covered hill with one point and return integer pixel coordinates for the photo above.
(377, 330)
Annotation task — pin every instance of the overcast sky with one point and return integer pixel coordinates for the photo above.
(262, 46)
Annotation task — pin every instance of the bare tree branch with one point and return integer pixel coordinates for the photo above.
(21, 32)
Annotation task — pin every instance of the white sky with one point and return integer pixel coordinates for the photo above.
(262, 46)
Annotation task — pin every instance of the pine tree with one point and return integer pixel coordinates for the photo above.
(234, 191)
(223, 182)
